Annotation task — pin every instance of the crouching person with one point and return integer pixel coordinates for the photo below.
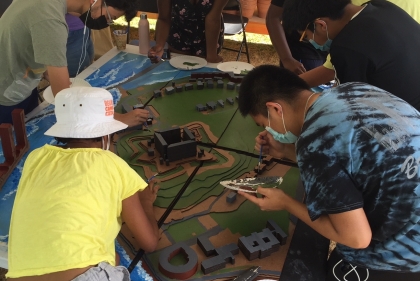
(358, 151)
(72, 198)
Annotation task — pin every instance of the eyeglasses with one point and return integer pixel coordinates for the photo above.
(110, 20)
(303, 37)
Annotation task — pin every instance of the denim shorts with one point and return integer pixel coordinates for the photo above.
(105, 272)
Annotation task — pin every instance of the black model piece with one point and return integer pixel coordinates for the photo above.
(211, 105)
(259, 245)
(187, 134)
(231, 197)
(169, 90)
(178, 89)
(149, 142)
(277, 231)
(200, 85)
(149, 121)
(200, 107)
(206, 246)
(193, 80)
(173, 84)
(170, 143)
(188, 86)
(230, 86)
(150, 152)
(157, 93)
(210, 84)
(230, 100)
(221, 103)
(218, 78)
(161, 160)
(229, 75)
(224, 255)
(220, 84)
(238, 86)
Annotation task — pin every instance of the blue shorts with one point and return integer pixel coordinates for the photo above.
(27, 105)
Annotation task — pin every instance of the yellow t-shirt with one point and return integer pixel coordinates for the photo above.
(412, 7)
(67, 211)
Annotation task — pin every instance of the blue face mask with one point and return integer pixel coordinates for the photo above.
(288, 137)
(325, 48)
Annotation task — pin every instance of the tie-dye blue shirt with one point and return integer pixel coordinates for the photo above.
(360, 148)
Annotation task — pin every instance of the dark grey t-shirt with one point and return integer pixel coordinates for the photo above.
(33, 35)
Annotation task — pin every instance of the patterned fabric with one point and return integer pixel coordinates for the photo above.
(360, 148)
(187, 31)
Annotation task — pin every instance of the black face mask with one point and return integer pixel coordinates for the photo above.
(97, 24)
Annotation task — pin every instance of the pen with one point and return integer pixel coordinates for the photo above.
(259, 159)
(152, 177)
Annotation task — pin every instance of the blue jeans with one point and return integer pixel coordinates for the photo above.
(27, 105)
(75, 50)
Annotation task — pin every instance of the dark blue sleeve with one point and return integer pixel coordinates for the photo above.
(329, 189)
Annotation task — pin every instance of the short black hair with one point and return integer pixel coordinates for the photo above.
(298, 13)
(129, 7)
(268, 83)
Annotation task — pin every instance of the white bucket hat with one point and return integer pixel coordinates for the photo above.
(84, 112)
(74, 82)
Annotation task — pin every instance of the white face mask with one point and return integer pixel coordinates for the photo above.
(108, 144)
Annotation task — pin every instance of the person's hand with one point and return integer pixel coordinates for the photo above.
(134, 117)
(270, 145)
(294, 66)
(149, 194)
(272, 199)
(215, 59)
(155, 54)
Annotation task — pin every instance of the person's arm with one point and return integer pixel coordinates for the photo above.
(137, 213)
(133, 118)
(317, 76)
(163, 25)
(349, 228)
(59, 78)
(278, 39)
(213, 25)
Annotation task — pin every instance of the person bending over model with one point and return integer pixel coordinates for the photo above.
(294, 55)
(33, 38)
(358, 150)
(191, 27)
(364, 46)
(72, 198)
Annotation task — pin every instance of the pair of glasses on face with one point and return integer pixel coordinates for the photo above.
(110, 20)
(303, 37)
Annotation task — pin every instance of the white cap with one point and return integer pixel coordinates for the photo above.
(84, 112)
